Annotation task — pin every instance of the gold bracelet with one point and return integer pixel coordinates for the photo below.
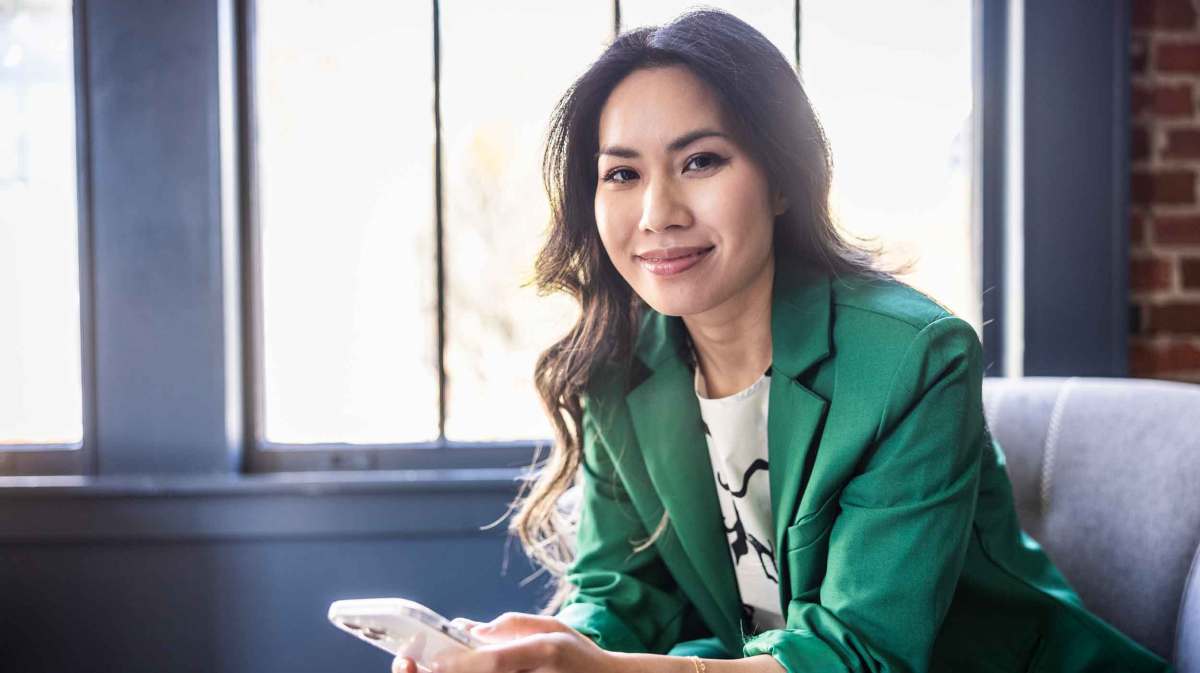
(700, 667)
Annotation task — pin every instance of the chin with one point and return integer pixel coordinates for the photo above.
(678, 306)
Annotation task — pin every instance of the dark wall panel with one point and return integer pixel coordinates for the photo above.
(156, 234)
(1076, 103)
(234, 606)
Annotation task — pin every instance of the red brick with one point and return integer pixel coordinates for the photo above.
(1139, 143)
(1182, 144)
(1163, 187)
(1141, 99)
(1189, 268)
(1137, 229)
(1151, 273)
(1139, 55)
(1177, 57)
(1150, 359)
(1141, 361)
(1177, 230)
(1175, 100)
(1176, 317)
(1169, 14)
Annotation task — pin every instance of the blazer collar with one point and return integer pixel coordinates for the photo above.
(667, 424)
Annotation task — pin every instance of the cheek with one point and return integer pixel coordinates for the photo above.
(745, 208)
(608, 224)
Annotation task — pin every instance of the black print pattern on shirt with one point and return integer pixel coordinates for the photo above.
(742, 541)
(758, 464)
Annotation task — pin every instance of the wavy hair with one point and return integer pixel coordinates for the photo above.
(772, 120)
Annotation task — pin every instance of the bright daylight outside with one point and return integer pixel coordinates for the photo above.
(41, 398)
(348, 212)
(895, 97)
(344, 151)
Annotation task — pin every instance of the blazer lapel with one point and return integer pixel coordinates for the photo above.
(666, 420)
(800, 338)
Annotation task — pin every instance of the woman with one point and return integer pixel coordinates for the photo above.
(785, 464)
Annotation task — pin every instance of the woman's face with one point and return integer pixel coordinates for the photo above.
(683, 212)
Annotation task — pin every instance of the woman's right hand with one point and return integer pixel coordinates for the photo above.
(405, 665)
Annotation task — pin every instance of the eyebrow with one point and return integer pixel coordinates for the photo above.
(674, 146)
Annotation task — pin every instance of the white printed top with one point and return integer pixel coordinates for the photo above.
(735, 428)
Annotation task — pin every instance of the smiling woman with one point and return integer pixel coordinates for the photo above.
(780, 448)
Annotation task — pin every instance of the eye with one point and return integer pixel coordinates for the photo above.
(707, 160)
(611, 176)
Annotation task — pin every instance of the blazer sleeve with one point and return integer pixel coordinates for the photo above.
(898, 545)
(625, 601)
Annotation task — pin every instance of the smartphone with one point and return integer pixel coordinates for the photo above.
(401, 627)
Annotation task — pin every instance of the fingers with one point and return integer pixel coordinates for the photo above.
(517, 624)
(535, 652)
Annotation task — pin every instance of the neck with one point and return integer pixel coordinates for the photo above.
(733, 340)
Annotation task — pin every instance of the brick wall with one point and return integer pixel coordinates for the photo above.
(1164, 269)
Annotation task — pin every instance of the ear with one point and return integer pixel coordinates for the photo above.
(779, 204)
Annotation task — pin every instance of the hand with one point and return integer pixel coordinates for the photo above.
(519, 642)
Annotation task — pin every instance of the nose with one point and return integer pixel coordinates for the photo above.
(662, 207)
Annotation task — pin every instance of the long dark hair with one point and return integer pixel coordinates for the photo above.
(771, 119)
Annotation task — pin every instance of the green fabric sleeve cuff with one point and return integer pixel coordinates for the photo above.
(797, 650)
(602, 626)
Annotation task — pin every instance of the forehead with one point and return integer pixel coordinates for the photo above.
(651, 107)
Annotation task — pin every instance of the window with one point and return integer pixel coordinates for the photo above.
(345, 142)
(41, 394)
(394, 205)
(396, 309)
(495, 112)
(399, 203)
(894, 95)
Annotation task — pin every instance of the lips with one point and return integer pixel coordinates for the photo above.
(672, 261)
(664, 254)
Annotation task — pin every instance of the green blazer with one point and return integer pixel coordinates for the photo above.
(896, 542)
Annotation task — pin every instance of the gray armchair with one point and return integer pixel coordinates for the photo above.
(1106, 476)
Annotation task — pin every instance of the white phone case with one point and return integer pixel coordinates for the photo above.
(400, 627)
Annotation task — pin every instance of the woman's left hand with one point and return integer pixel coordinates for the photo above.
(525, 642)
